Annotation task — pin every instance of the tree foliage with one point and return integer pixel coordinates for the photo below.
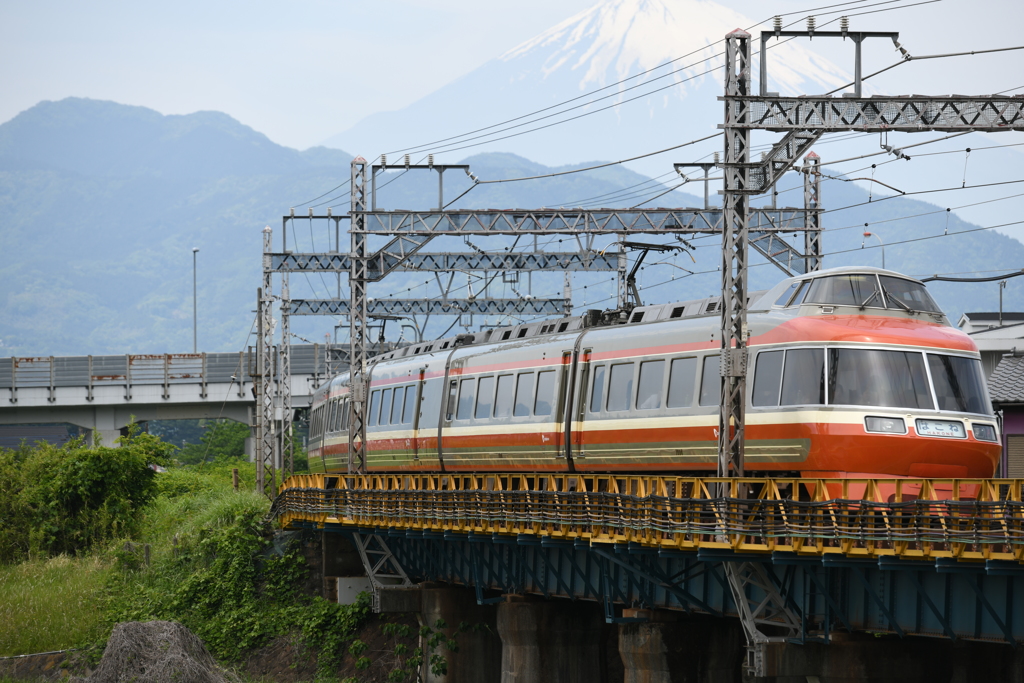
(66, 499)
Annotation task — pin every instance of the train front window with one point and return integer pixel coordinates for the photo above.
(887, 379)
(846, 290)
(959, 384)
(911, 295)
(803, 381)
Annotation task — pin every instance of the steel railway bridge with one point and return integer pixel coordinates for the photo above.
(903, 556)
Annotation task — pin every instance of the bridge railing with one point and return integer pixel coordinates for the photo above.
(911, 519)
(128, 370)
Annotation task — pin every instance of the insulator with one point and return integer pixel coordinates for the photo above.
(310, 212)
(716, 158)
(406, 159)
(764, 156)
(293, 211)
(430, 160)
(383, 159)
(329, 212)
(810, 24)
(777, 23)
(844, 24)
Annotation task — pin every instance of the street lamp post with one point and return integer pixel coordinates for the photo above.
(195, 250)
(871, 234)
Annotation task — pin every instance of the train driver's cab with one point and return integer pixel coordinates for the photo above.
(852, 291)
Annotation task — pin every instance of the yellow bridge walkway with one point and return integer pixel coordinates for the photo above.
(922, 519)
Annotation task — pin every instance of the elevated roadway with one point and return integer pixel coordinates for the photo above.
(102, 394)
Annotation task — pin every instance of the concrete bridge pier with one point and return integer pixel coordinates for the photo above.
(551, 640)
(479, 654)
(665, 649)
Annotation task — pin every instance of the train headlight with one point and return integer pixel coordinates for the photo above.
(888, 425)
(983, 432)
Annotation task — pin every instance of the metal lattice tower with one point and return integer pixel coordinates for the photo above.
(266, 445)
(357, 279)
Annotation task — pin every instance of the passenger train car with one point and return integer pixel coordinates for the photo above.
(852, 372)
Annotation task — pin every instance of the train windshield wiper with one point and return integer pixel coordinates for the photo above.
(889, 296)
(863, 304)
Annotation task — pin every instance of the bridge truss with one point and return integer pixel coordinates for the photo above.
(908, 557)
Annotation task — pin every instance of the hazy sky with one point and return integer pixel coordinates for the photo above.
(302, 71)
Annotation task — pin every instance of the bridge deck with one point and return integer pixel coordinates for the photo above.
(965, 520)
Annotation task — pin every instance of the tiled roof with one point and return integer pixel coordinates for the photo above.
(1007, 382)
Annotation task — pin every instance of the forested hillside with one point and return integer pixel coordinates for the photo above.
(102, 203)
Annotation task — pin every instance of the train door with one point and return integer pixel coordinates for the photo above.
(578, 405)
(411, 414)
(563, 408)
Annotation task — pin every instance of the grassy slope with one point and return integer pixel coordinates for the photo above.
(52, 604)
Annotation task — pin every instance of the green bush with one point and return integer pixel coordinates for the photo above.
(64, 500)
(216, 569)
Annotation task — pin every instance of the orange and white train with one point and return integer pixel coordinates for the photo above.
(852, 372)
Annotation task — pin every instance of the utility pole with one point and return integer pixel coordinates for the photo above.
(195, 327)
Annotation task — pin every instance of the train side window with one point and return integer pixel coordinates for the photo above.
(681, 379)
(648, 393)
(345, 412)
(788, 294)
(484, 397)
(385, 407)
(314, 425)
(336, 415)
(467, 397)
(798, 298)
(453, 389)
(710, 382)
(524, 394)
(767, 378)
(374, 408)
(545, 392)
(396, 406)
(803, 381)
(620, 386)
(503, 396)
(410, 404)
(597, 390)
